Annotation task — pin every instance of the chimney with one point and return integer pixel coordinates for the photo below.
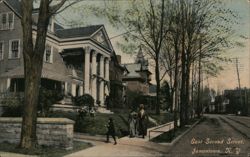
(119, 58)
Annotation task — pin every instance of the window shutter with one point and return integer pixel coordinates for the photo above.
(11, 20)
(10, 44)
(1, 21)
(1, 50)
(4, 20)
(19, 48)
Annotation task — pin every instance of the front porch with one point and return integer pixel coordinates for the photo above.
(88, 71)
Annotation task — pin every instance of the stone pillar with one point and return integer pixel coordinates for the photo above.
(102, 82)
(73, 89)
(93, 76)
(107, 75)
(86, 70)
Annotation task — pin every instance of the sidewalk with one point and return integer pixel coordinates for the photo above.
(134, 147)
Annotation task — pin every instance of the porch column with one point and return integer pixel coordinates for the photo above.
(8, 84)
(107, 76)
(102, 82)
(86, 70)
(93, 76)
(73, 89)
(66, 88)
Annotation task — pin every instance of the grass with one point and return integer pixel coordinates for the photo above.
(162, 118)
(169, 136)
(44, 151)
(96, 125)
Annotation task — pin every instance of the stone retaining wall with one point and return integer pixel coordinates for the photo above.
(56, 132)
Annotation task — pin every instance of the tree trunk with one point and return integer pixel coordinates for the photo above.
(32, 82)
(33, 63)
(171, 91)
(192, 89)
(187, 92)
(183, 90)
(175, 92)
(199, 89)
(157, 78)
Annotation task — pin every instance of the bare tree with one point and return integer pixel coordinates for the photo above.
(196, 33)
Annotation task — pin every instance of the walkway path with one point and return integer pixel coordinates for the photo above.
(126, 147)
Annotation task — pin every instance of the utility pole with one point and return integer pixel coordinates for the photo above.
(238, 77)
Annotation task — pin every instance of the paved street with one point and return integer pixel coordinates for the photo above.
(212, 137)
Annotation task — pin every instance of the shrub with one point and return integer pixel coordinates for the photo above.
(46, 99)
(13, 106)
(85, 100)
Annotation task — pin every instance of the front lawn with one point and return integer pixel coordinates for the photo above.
(96, 125)
(44, 151)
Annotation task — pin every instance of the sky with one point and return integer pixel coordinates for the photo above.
(227, 79)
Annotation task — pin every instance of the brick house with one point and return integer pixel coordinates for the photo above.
(76, 60)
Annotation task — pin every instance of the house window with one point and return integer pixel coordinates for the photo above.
(14, 49)
(7, 21)
(1, 50)
(48, 55)
(4, 21)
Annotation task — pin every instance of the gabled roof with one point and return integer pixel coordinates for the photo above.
(77, 32)
(133, 68)
(89, 33)
(14, 5)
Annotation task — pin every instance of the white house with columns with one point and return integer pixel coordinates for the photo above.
(91, 57)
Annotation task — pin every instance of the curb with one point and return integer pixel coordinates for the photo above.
(176, 140)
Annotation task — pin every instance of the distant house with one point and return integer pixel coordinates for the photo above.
(238, 101)
(152, 90)
(76, 60)
(138, 77)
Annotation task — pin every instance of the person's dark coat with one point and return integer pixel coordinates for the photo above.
(143, 120)
(111, 127)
